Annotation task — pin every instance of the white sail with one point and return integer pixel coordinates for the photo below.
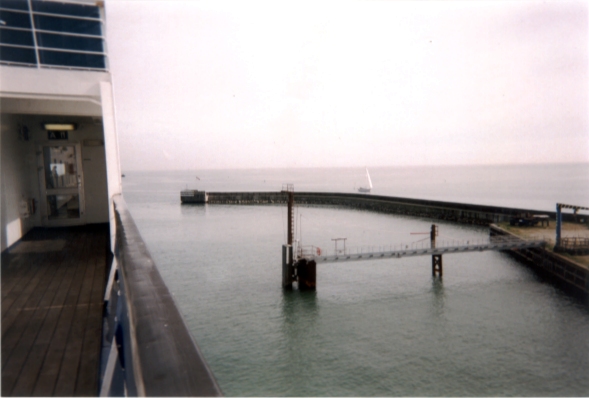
(369, 180)
(366, 190)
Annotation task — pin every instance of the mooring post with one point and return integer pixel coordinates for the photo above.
(437, 269)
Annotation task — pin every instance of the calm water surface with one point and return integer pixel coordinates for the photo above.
(376, 327)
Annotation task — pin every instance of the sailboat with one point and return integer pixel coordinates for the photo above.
(366, 190)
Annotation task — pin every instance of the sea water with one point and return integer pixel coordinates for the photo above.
(491, 326)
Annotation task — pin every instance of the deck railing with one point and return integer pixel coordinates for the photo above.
(147, 349)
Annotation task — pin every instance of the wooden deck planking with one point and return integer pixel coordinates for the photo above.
(47, 313)
(17, 324)
(30, 369)
(13, 370)
(91, 346)
(52, 364)
(55, 301)
(21, 294)
(62, 340)
(15, 280)
(66, 382)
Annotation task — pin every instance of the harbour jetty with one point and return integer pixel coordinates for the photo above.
(567, 270)
(439, 210)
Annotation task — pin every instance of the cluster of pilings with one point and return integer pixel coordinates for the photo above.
(302, 271)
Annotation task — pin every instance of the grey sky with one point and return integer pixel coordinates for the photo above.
(377, 83)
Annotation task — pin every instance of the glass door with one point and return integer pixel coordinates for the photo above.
(62, 201)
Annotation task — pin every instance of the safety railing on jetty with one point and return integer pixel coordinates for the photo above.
(307, 251)
(423, 247)
(147, 349)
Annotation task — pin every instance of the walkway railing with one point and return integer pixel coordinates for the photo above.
(423, 248)
(148, 350)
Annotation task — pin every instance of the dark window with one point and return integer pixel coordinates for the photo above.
(65, 28)
(68, 25)
(15, 54)
(15, 19)
(15, 4)
(69, 42)
(19, 37)
(75, 10)
(78, 60)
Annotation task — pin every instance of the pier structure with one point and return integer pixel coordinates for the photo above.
(576, 245)
(463, 213)
(426, 249)
(561, 270)
(558, 268)
(300, 265)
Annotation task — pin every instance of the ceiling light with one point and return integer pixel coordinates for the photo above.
(59, 126)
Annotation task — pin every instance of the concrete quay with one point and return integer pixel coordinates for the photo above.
(571, 272)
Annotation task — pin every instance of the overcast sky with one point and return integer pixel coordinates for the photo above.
(372, 83)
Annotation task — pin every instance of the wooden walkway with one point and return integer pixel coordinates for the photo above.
(53, 284)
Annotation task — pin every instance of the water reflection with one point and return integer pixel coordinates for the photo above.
(192, 209)
(297, 304)
(300, 334)
(299, 314)
(438, 297)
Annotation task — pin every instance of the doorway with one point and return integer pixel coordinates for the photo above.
(62, 184)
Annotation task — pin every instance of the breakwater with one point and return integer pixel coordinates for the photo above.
(450, 211)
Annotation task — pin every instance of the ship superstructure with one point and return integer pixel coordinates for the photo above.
(58, 123)
(84, 308)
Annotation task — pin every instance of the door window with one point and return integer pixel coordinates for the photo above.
(62, 180)
(60, 167)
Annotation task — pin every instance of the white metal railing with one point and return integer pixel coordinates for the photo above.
(308, 251)
(422, 247)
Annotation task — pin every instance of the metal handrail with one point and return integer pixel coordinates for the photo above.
(150, 351)
(424, 247)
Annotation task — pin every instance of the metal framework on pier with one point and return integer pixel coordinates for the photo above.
(559, 207)
(496, 243)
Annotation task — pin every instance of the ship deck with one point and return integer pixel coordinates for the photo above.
(53, 283)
